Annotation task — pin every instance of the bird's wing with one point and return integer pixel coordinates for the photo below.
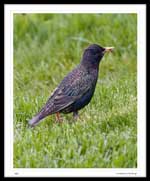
(62, 98)
(69, 90)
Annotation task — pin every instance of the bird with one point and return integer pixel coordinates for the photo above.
(77, 88)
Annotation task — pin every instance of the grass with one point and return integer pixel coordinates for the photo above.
(46, 48)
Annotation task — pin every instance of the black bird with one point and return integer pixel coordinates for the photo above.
(77, 88)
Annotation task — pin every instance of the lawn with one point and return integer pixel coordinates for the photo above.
(46, 48)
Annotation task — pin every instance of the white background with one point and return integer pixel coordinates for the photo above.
(141, 77)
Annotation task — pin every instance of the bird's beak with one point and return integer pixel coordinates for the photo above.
(108, 49)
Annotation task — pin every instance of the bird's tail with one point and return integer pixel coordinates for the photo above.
(34, 121)
(44, 112)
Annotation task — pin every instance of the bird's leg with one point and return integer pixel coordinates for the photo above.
(58, 118)
(75, 115)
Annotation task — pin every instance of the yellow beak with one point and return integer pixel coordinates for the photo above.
(108, 49)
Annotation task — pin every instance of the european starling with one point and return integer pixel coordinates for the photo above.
(77, 88)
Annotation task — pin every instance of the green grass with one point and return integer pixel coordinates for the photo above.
(46, 48)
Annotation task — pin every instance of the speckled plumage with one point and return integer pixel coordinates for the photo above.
(77, 88)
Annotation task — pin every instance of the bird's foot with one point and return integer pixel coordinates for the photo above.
(58, 118)
(75, 115)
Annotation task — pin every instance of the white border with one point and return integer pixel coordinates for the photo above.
(9, 171)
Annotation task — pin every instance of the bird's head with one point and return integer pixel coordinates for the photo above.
(94, 53)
